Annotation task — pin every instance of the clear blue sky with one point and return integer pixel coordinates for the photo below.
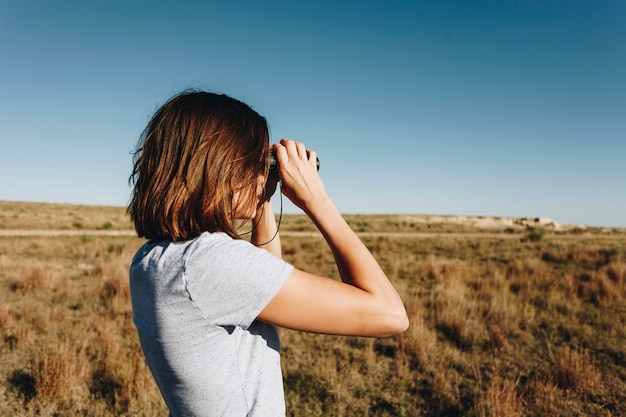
(495, 108)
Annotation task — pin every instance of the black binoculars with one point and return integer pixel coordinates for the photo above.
(274, 161)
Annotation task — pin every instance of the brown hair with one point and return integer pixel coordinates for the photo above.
(197, 151)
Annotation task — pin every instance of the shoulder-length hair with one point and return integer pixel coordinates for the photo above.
(196, 152)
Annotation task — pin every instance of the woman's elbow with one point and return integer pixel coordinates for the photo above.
(401, 322)
(396, 322)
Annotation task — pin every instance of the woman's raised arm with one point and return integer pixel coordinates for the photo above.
(364, 303)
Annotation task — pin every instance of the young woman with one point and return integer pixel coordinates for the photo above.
(205, 301)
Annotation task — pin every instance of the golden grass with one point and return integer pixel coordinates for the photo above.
(69, 345)
(500, 326)
(22, 215)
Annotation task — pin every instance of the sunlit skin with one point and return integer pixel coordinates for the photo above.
(365, 300)
(245, 207)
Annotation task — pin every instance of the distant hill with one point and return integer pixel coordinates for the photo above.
(51, 216)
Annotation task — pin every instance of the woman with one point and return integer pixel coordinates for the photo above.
(205, 301)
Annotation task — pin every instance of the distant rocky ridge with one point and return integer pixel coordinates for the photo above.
(489, 222)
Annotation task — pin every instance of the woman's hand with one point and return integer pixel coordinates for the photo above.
(297, 168)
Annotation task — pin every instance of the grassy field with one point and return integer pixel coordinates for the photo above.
(515, 321)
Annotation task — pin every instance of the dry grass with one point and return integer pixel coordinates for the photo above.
(500, 326)
(68, 344)
(37, 216)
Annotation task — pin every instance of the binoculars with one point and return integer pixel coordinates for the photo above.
(274, 161)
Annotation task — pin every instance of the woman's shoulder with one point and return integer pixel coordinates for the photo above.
(206, 242)
(218, 244)
(217, 239)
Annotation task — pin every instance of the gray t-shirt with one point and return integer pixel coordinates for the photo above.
(195, 305)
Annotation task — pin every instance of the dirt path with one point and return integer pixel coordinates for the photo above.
(422, 235)
(66, 232)
(131, 233)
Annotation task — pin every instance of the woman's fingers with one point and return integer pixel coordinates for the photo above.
(297, 150)
(298, 172)
(302, 154)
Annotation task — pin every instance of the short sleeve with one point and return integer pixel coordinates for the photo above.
(231, 281)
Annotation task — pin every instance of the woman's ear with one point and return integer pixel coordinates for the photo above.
(268, 188)
(260, 184)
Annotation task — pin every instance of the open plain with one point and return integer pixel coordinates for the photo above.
(509, 317)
